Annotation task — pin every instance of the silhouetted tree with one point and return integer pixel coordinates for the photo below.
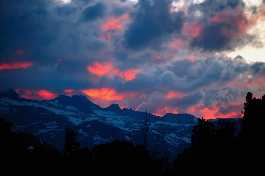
(146, 127)
(71, 144)
(253, 133)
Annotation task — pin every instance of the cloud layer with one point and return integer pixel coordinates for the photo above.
(162, 56)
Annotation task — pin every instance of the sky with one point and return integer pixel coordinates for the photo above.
(161, 56)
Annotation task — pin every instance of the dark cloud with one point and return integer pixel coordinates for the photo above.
(23, 23)
(93, 12)
(152, 21)
(225, 34)
(224, 25)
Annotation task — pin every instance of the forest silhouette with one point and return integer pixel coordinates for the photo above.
(217, 146)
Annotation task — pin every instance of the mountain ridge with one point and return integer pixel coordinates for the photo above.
(48, 119)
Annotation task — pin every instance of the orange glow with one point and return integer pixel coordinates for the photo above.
(115, 23)
(214, 112)
(107, 69)
(236, 18)
(211, 112)
(129, 75)
(106, 94)
(102, 69)
(176, 44)
(164, 110)
(192, 29)
(69, 92)
(41, 94)
(173, 95)
(45, 94)
(15, 66)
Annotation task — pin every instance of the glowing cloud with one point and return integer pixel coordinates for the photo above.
(192, 29)
(69, 92)
(102, 69)
(236, 22)
(46, 94)
(105, 94)
(113, 26)
(41, 94)
(171, 95)
(15, 66)
(107, 69)
(129, 75)
(176, 44)
(164, 110)
(212, 112)
(114, 23)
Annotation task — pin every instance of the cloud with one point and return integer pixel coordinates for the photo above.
(106, 96)
(41, 94)
(172, 95)
(151, 54)
(15, 66)
(152, 21)
(114, 23)
(222, 31)
(212, 112)
(107, 69)
(192, 29)
(69, 92)
(93, 12)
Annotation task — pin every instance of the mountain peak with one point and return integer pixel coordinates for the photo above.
(114, 107)
(79, 101)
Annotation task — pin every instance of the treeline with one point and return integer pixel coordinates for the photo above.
(215, 148)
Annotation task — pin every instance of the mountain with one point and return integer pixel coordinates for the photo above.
(114, 108)
(95, 125)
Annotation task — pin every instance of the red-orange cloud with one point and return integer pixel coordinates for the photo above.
(107, 69)
(212, 112)
(164, 110)
(15, 66)
(129, 74)
(41, 94)
(114, 23)
(69, 92)
(102, 69)
(192, 29)
(176, 44)
(171, 95)
(235, 19)
(105, 94)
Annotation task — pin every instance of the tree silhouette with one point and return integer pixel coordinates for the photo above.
(71, 144)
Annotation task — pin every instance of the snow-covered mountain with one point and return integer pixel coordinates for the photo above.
(166, 135)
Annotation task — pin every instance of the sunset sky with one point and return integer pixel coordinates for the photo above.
(192, 56)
